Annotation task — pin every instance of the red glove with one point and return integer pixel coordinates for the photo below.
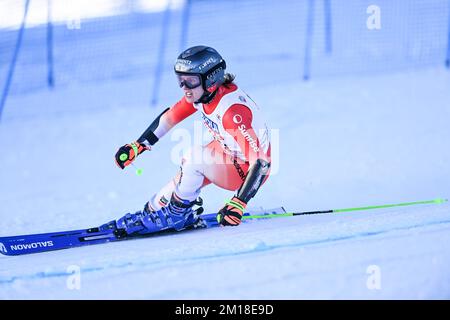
(231, 214)
(128, 153)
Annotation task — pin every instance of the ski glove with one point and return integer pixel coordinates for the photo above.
(128, 153)
(231, 214)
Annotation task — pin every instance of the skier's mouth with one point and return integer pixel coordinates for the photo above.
(188, 94)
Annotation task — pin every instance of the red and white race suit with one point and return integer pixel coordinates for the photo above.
(239, 137)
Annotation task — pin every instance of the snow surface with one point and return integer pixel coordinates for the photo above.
(348, 141)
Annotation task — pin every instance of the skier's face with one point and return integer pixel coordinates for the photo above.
(192, 87)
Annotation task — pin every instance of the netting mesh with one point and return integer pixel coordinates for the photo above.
(263, 41)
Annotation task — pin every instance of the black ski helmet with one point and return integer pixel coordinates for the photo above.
(205, 62)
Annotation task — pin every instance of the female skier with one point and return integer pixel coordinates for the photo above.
(237, 158)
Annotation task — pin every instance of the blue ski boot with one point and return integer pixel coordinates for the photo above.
(178, 215)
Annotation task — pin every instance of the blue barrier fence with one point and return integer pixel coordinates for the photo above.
(263, 41)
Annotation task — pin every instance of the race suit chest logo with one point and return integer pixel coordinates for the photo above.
(211, 125)
(34, 245)
(253, 142)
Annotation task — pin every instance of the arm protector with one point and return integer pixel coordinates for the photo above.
(254, 179)
(149, 138)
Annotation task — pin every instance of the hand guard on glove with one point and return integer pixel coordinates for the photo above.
(128, 153)
(231, 213)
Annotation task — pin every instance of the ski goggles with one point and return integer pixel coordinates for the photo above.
(189, 81)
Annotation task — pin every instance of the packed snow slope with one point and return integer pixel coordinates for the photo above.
(339, 142)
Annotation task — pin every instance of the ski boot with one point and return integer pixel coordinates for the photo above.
(178, 215)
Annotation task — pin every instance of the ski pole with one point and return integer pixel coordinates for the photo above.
(290, 214)
(139, 171)
(124, 157)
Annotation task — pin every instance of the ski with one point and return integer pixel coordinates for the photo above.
(44, 242)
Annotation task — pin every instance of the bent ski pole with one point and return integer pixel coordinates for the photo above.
(290, 214)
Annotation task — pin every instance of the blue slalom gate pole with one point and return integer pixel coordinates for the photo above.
(12, 66)
(50, 76)
(185, 24)
(161, 53)
(328, 26)
(447, 61)
(308, 40)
